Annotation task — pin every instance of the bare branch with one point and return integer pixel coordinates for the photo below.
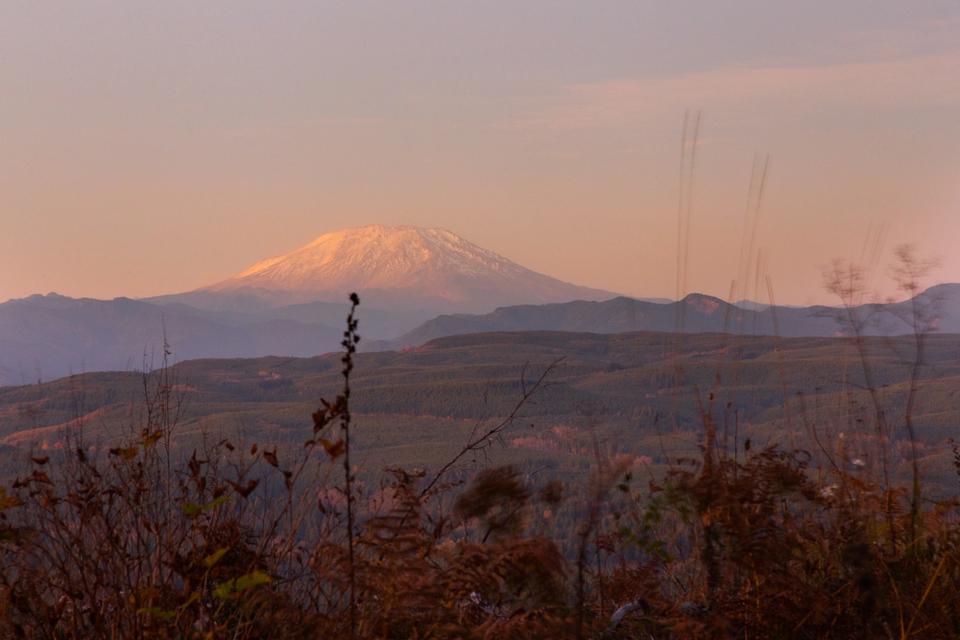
(484, 440)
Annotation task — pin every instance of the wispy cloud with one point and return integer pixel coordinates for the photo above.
(912, 83)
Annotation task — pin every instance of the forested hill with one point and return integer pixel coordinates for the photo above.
(629, 390)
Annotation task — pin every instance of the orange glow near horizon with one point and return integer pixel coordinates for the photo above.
(156, 149)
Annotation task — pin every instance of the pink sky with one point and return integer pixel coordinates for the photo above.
(157, 147)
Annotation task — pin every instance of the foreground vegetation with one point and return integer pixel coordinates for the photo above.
(251, 541)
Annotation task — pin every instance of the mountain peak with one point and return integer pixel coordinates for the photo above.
(372, 257)
(420, 263)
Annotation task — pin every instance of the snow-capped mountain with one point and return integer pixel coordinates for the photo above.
(291, 305)
(401, 266)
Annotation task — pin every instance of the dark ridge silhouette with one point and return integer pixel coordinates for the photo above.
(702, 313)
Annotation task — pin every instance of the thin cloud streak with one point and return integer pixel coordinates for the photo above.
(921, 82)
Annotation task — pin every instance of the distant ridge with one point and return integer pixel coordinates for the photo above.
(51, 336)
(46, 337)
(701, 314)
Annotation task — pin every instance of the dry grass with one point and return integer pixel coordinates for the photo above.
(229, 543)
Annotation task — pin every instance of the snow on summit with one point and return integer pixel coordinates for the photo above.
(426, 264)
(373, 257)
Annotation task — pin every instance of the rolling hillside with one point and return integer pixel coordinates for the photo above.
(635, 393)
